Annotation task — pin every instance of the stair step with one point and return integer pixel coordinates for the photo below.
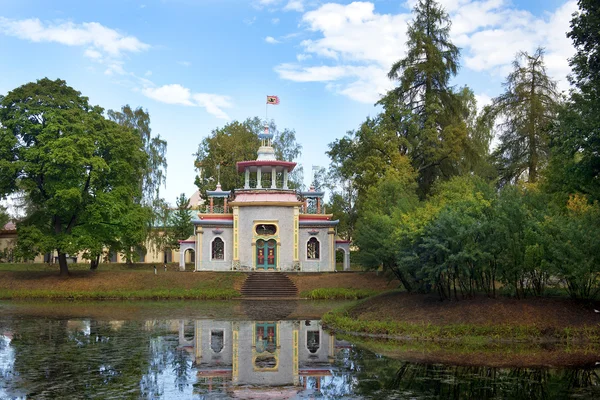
(268, 285)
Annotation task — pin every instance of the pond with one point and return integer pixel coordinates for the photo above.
(220, 350)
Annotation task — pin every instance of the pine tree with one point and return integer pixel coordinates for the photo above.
(430, 118)
(528, 108)
(182, 221)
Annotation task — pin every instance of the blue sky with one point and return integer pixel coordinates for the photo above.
(197, 64)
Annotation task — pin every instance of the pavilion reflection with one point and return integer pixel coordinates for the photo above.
(236, 356)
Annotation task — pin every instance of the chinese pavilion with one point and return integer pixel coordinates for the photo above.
(264, 226)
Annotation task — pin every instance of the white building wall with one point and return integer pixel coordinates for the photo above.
(324, 261)
(206, 261)
(283, 217)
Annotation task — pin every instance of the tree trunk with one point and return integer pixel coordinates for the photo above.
(62, 262)
(94, 263)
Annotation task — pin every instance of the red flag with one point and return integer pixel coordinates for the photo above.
(274, 100)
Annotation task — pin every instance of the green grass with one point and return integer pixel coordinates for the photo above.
(337, 294)
(340, 320)
(147, 294)
(28, 267)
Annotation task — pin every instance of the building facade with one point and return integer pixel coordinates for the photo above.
(264, 226)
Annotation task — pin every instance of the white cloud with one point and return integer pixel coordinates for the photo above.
(275, 21)
(250, 21)
(184, 63)
(213, 103)
(303, 57)
(177, 94)
(360, 83)
(353, 41)
(148, 73)
(271, 40)
(294, 5)
(170, 94)
(93, 54)
(115, 68)
(98, 37)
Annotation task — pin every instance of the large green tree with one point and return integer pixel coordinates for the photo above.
(238, 141)
(432, 117)
(528, 108)
(155, 147)
(153, 178)
(79, 170)
(576, 144)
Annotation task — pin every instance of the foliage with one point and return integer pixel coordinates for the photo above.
(4, 217)
(238, 141)
(430, 117)
(80, 171)
(337, 294)
(155, 174)
(576, 142)
(182, 221)
(528, 108)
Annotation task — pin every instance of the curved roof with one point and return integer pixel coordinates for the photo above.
(242, 165)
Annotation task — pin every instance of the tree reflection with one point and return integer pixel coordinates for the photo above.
(67, 359)
(381, 377)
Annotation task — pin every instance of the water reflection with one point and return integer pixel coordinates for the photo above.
(212, 358)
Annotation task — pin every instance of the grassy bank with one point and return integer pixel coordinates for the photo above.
(147, 294)
(338, 294)
(118, 281)
(413, 317)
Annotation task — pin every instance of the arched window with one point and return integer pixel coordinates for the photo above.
(218, 249)
(313, 249)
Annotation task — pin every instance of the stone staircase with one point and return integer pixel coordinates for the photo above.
(268, 285)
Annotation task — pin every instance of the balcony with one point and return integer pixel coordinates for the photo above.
(206, 209)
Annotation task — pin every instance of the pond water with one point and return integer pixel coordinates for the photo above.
(219, 350)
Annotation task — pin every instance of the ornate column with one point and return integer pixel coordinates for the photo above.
(295, 337)
(259, 178)
(296, 265)
(273, 178)
(247, 179)
(236, 238)
(331, 249)
(198, 249)
(285, 178)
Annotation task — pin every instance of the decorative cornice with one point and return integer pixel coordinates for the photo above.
(265, 203)
(319, 217)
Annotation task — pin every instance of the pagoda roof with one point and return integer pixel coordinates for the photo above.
(242, 165)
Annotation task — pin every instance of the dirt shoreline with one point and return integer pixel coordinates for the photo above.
(544, 313)
(409, 317)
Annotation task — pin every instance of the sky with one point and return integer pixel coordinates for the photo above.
(196, 65)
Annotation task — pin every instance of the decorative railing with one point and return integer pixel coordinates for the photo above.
(265, 183)
(215, 210)
(312, 209)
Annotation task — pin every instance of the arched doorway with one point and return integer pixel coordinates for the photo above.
(344, 246)
(266, 254)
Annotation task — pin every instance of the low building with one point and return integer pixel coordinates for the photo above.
(265, 225)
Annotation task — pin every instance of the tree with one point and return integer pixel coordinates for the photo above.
(155, 174)
(238, 141)
(430, 116)
(79, 170)
(576, 143)
(529, 109)
(181, 220)
(4, 217)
